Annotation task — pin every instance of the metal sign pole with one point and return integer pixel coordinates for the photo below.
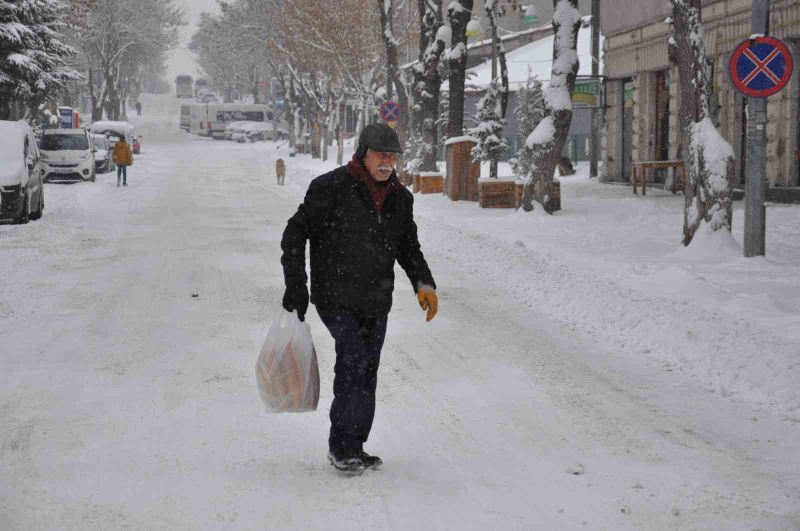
(755, 215)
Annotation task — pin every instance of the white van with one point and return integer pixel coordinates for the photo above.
(21, 173)
(186, 116)
(212, 118)
(68, 155)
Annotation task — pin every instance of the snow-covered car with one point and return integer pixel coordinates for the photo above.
(208, 97)
(113, 130)
(103, 162)
(68, 155)
(21, 173)
(253, 132)
(230, 128)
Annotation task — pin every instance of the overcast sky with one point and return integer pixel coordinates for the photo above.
(182, 61)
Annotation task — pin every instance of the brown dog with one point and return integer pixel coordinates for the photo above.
(280, 171)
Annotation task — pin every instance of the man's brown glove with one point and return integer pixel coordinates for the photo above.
(428, 301)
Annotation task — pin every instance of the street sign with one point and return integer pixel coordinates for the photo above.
(390, 111)
(760, 67)
(65, 116)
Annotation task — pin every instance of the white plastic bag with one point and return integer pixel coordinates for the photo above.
(286, 371)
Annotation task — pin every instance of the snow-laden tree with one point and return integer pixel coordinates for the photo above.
(709, 157)
(489, 131)
(434, 38)
(548, 139)
(459, 13)
(529, 112)
(121, 38)
(32, 53)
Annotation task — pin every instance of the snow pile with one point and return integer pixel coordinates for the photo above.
(710, 245)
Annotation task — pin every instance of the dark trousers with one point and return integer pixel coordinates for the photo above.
(359, 340)
(122, 169)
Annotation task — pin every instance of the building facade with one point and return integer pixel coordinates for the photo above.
(643, 94)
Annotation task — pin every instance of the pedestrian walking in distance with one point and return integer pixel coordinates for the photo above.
(359, 221)
(138, 108)
(122, 157)
(280, 171)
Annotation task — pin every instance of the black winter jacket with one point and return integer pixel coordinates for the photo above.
(353, 247)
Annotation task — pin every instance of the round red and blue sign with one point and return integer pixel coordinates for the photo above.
(760, 67)
(390, 111)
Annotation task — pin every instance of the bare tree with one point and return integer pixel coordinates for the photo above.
(548, 139)
(393, 79)
(709, 157)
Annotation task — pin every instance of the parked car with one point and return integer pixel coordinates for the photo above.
(21, 173)
(113, 130)
(68, 155)
(208, 97)
(253, 132)
(229, 129)
(103, 162)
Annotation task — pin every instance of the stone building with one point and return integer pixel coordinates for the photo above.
(643, 96)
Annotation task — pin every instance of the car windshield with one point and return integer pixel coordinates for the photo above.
(101, 141)
(64, 142)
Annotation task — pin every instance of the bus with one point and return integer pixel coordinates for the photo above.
(183, 87)
(210, 119)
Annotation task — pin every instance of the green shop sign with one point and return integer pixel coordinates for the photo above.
(587, 93)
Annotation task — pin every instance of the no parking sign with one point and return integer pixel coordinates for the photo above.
(760, 67)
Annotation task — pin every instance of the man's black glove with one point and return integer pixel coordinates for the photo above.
(296, 298)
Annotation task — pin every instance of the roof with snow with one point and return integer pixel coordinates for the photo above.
(538, 56)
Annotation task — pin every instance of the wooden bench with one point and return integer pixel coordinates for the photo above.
(639, 172)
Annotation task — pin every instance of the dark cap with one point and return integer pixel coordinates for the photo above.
(379, 137)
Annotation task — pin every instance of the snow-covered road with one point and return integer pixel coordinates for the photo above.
(127, 402)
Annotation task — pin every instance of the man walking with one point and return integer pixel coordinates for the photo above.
(123, 158)
(359, 220)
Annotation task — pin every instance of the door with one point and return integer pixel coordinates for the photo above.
(627, 128)
(661, 151)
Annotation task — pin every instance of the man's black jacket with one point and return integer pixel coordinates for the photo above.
(353, 247)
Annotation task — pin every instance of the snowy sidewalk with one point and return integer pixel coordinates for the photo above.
(610, 265)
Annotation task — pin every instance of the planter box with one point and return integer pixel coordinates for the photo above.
(497, 193)
(431, 183)
(520, 189)
(462, 173)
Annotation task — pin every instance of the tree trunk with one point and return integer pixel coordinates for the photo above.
(549, 137)
(708, 197)
(427, 92)
(459, 14)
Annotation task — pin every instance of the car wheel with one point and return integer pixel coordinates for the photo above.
(23, 216)
(38, 213)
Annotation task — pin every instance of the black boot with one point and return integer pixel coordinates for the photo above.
(370, 461)
(348, 464)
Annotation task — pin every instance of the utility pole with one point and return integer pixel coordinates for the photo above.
(594, 138)
(273, 88)
(755, 214)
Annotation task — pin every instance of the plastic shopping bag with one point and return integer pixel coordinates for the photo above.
(286, 372)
